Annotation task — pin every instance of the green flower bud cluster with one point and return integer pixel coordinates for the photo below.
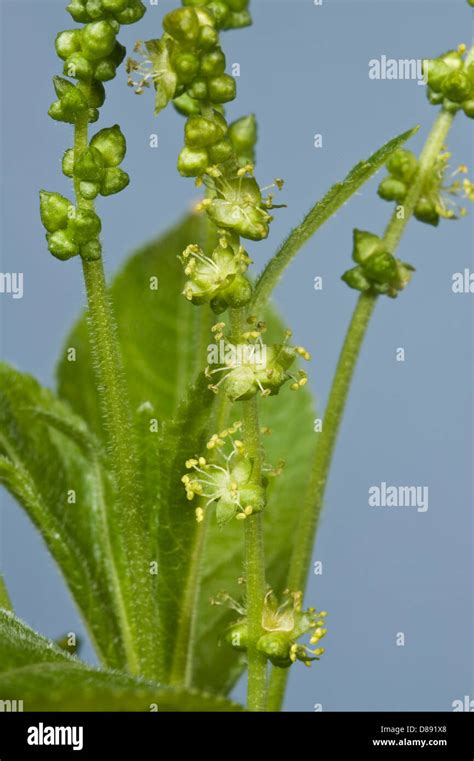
(76, 101)
(250, 367)
(377, 270)
(229, 481)
(91, 53)
(70, 230)
(97, 168)
(211, 142)
(283, 623)
(117, 11)
(218, 280)
(451, 82)
(435, 200)
(228, 14)
(186, 61)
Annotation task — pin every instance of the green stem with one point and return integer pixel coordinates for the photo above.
(334, 199)
(428, 156)
(254, 547)
(130, 556)
(254, 570)
(313, 502)
(183, 659)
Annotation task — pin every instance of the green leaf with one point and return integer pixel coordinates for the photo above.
(162, 337)
(164, 347)
(35, 670)
(61, 687)
(336, 197)
(164, 76)
(21, 646)
(45, 464)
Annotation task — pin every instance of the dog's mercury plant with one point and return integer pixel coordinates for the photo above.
(165, 482)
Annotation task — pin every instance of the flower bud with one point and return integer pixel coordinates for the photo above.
(182, 24)
(276, 646)
(437, 70)
(91, 250)
(208, 37)
(221, 151)
(426, 212)
(365, 245)
(84, 225)
(77, 9)
(111, 143)
(236, 295)
(222, 89)
(71, 104)
(381, 267)
(192, 163)
(457, 86)
(391, 189)
(115, 180)
(114, 6)
(68, 163)
(355, 278)
(132, 13)
(213, 63)
(199, 89)
(468, 107)
(95, 9)
(89, 166)
(89, 190)
(243, 134)
(54, 210)
(97, 40)
(186, 105)
(402, 165)
(61, 245)
(78, 67)
(237, 636)
(95, 93)
(200, 132)
(68, 42)
(219, 10)
(186, 66)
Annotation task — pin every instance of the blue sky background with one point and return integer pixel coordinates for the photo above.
(304, 70)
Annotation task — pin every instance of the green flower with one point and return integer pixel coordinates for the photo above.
(69, 230)
(450, 81)
(229, 14)
(121, 11)
(284, 622)
(238, 204)
(437, 196)
(229, 481)
(219, 279)
(245, 368)
(186, 61)
(377, 270)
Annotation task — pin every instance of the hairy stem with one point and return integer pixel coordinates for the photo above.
(338, 195)
(130, 545)
(254, 550)
(313, 502)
